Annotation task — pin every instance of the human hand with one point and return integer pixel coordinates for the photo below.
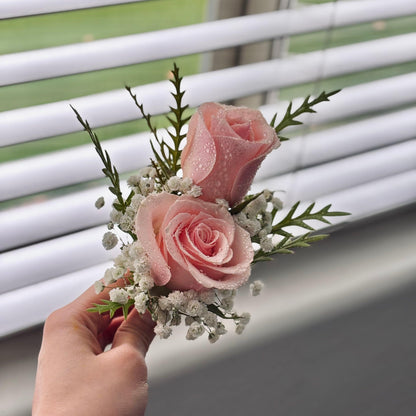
(76, 377)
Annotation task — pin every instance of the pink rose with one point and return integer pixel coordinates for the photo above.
(225, 147)
(193, 244)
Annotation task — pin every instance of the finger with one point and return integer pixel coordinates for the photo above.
(79, 309)
(106, 337)
(136, 330)
(75, 321)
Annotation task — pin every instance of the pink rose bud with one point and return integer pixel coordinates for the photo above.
(225, 147)
(192, 244)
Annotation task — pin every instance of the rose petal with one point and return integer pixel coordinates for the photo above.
(222, 254)
(148, 222)
(183, 279)
(170, 237)
(200, 153)
(214, 216)
(226, 170)
(235, 273)
(230, 282)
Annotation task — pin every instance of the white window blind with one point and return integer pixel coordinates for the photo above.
(358, 152)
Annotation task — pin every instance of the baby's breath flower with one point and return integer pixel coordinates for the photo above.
(277, 203)
(99, 203)
(240, 218)
(133, 181)
(163, 316)
(222, 203)
(119, 295)
(210, 319)
(135, 250)
(257, 206)
(165, 303)
(195, 308)
(207, 296)
(130, 212)
(245, 318)
(189, 320)
(126, 223)
(162, 330)
(110, 225)
(118, 272)
(140, 302)
(177, 298)
(226, 293)
(195, 191)
(109, 276)
(146, 282)
(239, 329)
(185, 185)
(176, 319)
(115, 216)
(173, 184)
(136, 201)
(195, 330)
(121, 259)
(131, 291)
(227, 304)
(266, 244)
(141, 266)
(268, 218)
(268, 195)
(256, 287)
(110, 240)
(98, 286)
(191, 294)
(220, 329)
(148, 171)
(252, 226)
(147, 186)
(213, 337)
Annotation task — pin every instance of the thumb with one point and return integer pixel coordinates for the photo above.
(136, 330)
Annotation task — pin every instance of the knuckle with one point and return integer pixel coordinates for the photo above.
(133, 360)
(54, 319)
(57, 320)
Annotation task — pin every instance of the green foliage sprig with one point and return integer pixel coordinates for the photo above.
(162, 156)
(109, 169)
(167, 158)
(299, 221)
(178, 121)
(290, 116)
(249, 198)
(111, 307)
(289, 241)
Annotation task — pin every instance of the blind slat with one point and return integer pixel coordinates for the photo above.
(57, 118)
(43, 298)
(12, 8)
(134, 49)
(52, 258)
(314, 182)
(68, 167)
